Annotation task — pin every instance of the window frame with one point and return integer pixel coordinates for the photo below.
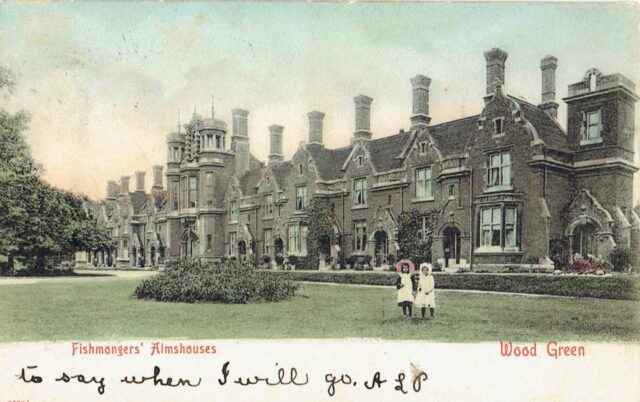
(359, 236)
(498, 121)
(428, 184)
(267, 205)
(500, 232)
(209, 184)
(502, 171)
(360, 191)
(301, 199)
(233, 211)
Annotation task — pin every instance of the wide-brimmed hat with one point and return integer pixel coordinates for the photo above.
(400, 263)
(426, 265)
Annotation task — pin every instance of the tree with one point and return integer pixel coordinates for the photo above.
(410, 244)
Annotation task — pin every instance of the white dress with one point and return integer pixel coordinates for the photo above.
(426, 296)
(405, 293)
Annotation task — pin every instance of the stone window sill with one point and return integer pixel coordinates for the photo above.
(425, 199)
(356, 207)
(494, 189)
(591, 141)
(496, 250)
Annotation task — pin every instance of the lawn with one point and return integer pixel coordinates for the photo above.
(105, 309)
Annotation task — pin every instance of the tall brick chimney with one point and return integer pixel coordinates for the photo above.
(112, 190)
(420, 115)
(157, 177)
(548, 67)
(124, 185)
(363, 117)
(495, 68)
(140, 181)
(240, 141)
(275, 143)
(315, 127)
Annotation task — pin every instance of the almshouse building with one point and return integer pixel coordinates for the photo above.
(494, 189)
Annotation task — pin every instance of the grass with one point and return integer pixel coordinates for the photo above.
(105, 309)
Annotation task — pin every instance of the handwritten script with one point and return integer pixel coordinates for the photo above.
(227, 376)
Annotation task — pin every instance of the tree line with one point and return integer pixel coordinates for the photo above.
(39, 224)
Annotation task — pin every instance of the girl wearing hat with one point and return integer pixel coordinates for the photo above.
(425, 297)
(404, 284)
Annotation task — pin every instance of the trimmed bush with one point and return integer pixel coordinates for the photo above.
(586, 267)
(620, 259)
(191, 281)
(613, 287)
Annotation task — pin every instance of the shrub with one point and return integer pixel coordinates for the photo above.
(191, 281)
(559, 252)
(294, 260)
(620, 259)
(279, 259)
(587, 266)
(436, 267)
(612, 287)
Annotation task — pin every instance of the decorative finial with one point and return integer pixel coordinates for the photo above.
(212, 107)
(178, 120)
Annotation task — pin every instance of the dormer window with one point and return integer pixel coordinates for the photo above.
(423, 148)
(498, 126)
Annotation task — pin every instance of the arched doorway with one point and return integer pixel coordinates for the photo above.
(382, 247)
(451, 245)
(189, 244)
(242, 250)
(584, 239)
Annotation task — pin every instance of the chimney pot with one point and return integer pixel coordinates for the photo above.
(112, 190)
(157, 176)
(315, 127)
(275, 141)
(240, 141)
(363, 116)
(124, 185)
(496, 59)
(548, 67)
(140, 181)
(420, 115)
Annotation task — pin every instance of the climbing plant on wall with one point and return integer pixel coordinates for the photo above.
(320, 231)
(410, 244)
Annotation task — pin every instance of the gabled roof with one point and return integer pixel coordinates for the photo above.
(384, 151)
(453, 137)
(328, 161)
(249, 181)
(159, 198)
(548, 130)
(281, 171)
(254, 163)
(138, 201)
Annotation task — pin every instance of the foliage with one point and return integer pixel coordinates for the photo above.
(191, 281)
(559, 252)
(586, 266)
(37, 221)
(623, 287)
(320, 232)
(411, 246)
(620, 259)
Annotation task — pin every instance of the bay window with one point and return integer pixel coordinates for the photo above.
(498, 228)
(297, 235)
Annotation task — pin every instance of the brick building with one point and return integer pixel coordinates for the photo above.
(497, 188)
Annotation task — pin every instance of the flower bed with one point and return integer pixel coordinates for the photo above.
(620, 287)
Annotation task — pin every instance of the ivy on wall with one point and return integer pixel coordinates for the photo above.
(409, 242)
(320, 231)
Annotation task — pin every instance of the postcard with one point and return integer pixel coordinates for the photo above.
(319, 201)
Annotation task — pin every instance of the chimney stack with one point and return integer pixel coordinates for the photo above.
(548, 67)
(315, 127)
(124, 185)
(140, 181)
(112, 190)
(240, 141)
(363, 117)
(420, 116)
(275, 144)
(157, 177)
(495, 69)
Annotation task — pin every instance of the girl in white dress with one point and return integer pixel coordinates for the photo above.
(404, 284)
(426, 290)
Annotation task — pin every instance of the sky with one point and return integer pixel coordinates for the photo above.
(105, 83)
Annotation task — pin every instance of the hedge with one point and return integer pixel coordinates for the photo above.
(613, 287)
